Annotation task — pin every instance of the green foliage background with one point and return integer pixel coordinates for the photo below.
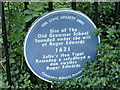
(104, 72)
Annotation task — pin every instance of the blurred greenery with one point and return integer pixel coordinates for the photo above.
(0, 54)
(0, 26)
(0, 78)
(104, 72)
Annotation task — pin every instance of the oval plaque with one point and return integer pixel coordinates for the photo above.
(59, 43)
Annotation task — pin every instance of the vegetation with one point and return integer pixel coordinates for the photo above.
(0, 54)
(104, 72)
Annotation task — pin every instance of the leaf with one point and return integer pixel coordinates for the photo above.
(19, 49)
(38, 8)
(17, 71)
(31, 7)
(2, 60)
(35, 14)
(28, 18)
(12, 61)
(28, 11)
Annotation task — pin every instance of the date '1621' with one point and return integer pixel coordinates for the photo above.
(62, 49)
